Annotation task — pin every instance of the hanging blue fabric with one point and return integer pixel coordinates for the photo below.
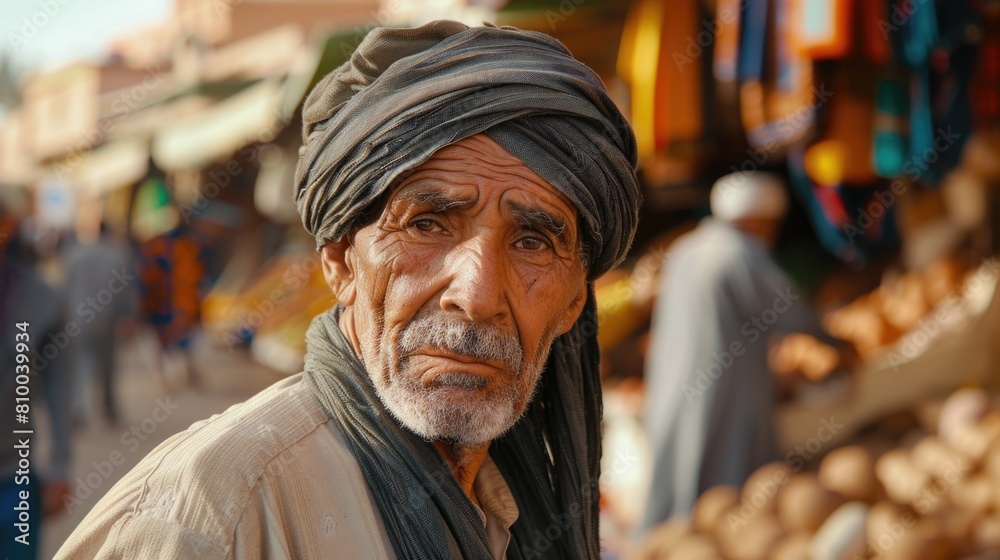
(787, 73)
(890, 145)
(919, 31)
(921, 122)
(916, 38)
(757, 25)
(851, 223)
(952, 65)
(753, 34)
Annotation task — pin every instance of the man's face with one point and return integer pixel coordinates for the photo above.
(458, 289)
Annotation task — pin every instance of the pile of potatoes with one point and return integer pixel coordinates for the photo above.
(935, 496)
(883, 316)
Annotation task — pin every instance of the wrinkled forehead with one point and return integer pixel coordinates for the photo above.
(479, 160)
(406, 94)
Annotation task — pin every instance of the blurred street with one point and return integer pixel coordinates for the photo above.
(227, 378)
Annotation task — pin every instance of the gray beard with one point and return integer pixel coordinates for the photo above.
(448, 411)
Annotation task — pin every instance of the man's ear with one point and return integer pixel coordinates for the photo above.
(575, 308)
(337, 270)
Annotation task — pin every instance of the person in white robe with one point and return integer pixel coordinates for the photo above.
(710, 395)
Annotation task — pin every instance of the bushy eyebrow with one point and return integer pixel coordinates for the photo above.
(528, 216)
(433, 198)
(534, 218)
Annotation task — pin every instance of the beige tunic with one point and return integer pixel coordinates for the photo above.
(268, 478)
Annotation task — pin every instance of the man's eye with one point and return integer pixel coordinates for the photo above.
(424, 224)
(531, 243)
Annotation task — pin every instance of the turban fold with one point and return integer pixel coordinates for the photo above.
(403, 95)
(406, 93)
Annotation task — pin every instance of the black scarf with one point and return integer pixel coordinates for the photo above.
(425, 512)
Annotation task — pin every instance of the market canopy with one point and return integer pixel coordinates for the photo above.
(251, 116)
(112, 166)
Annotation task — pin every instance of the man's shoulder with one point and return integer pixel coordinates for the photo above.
(203, 478)
(256, 430)
(227, 453)
(286, 411)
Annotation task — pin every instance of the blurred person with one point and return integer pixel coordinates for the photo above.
(171, 274)
(25, 297)
(99, 284)
(710, 393)
(461, 239)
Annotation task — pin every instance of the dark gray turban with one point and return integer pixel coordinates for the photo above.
(404, 94)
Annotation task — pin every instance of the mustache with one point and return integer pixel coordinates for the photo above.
(481, 341)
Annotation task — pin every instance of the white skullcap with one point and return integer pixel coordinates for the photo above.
(748, 195)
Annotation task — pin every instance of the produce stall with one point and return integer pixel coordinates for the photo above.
(955, 344)
(929, 490)
(906, 366)
(273, 311)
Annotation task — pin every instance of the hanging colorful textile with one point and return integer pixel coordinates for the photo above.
(890, 134)
(986, 77)
(851, 223)
(842, 153)
(662, 59)
(727, 41)
(952, 65)
(862, 131)
(822, 27)
(890, 143)
(913, 40)
(777, 98)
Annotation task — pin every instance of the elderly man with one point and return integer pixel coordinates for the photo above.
(710, 393)
(464, 186)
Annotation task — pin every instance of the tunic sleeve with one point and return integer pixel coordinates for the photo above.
(146, 537)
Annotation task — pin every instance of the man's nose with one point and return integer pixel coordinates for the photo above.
(479, 272)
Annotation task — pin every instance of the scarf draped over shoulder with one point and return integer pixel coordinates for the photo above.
(403, 95)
